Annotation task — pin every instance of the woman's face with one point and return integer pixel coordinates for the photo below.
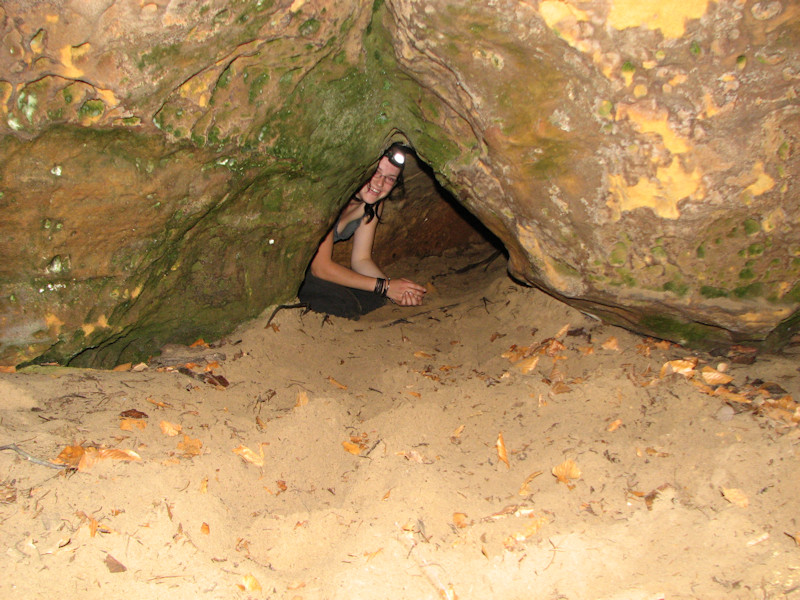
(381, 182)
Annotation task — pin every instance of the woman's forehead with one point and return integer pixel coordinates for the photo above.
(386, 167)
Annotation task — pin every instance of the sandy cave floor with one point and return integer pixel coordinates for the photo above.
(364, 459)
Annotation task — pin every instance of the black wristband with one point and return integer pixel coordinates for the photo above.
(380, 286)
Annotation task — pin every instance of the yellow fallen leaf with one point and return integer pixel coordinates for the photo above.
(250, 456)
(190, 447)
(736, 496)
(131, 424)
(352, 448)
(341, 386)
(566, 471)
(117, 454)
(82, 459)
(502, 454)
(205, 529)
(371, 555)
(170, 429)
(523, 490)
(249, 584)
(204, 485)
(123, 367)
(683, 367)
(421, 354)
(531, 529)
(610, 344)
(302, 399)
(460, 520)
(614, 425)
(713, 377)
(158, 403)
(562, 332)
(526, 365)
(198, 343)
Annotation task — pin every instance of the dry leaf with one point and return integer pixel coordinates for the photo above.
(123, 367)
(736, 496)
(131, 424)
(302, 399)
(190, 447)
(249, 584)
(456, 435)
(683, 367)
(82, 459)
(132, 413)
(415, 394)
(170, 429)
(566, 471)
(204, 485)
(114, 566)
(611, 344)
(211, 366)
(199, 343)
(526, 365)
(523, 490)
(562, 332)
(586, 350)
(250, 456)
(514, 353)
(352, 448)
(414, 456)
(159, 404)
(501, 449)
(421, 354)
(260, 423)
(92, 527)
(341, 386)
(713, 377)
(117, 454)
(205, 529)
(460, 520)
(614, 425)
(561, 388)
(531, 529)
(731, 396)
(656, 453)
(71, 456)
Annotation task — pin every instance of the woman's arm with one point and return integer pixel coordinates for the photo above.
(324, 267)
(364, 271)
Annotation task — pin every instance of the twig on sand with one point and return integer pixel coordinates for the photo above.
(429, 571)
(281, 306)
(31, 458)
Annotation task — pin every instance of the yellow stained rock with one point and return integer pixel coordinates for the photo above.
(668, 16)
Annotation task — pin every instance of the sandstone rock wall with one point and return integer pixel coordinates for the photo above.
(166, 168)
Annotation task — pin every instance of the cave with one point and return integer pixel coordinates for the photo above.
(596, 398)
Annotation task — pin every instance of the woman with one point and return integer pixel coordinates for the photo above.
(351, 292)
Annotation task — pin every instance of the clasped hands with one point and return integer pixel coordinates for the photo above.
(405, 292)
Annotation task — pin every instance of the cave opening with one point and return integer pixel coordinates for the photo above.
(423, 219)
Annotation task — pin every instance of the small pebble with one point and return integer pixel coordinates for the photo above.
(725, 413)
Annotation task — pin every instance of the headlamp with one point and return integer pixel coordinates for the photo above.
(397, 158)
